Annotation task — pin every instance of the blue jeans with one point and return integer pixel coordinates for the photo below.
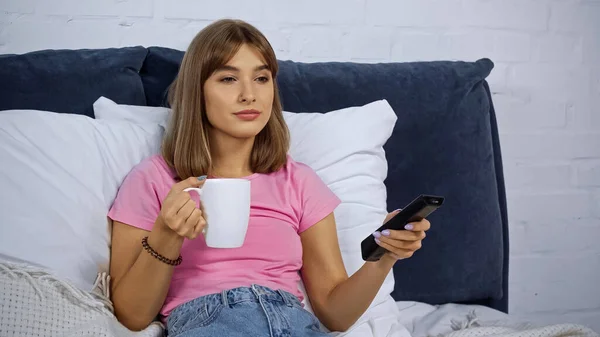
(246, 311)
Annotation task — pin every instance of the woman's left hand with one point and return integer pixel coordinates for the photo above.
(402, 244)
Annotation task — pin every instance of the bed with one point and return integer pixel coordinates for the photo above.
(441, 139)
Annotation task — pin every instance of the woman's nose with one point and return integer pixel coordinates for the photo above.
(247, 93)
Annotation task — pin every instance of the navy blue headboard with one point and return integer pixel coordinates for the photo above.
(445, 142)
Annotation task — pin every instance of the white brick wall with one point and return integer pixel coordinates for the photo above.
(546, 88)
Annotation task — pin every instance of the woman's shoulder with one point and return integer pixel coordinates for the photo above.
(153, 166)
(297, 171)
(295, 168)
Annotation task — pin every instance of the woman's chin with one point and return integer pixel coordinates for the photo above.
(245, 132)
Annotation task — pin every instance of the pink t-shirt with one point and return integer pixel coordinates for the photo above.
(283, 205)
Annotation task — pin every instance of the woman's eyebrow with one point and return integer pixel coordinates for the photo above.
(236, 69)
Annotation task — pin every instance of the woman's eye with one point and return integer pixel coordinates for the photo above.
(263, 79)
(228, 79)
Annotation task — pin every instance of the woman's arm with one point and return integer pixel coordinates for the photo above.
(338, 300)
(139, 282)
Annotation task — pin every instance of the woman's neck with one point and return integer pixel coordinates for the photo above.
(230, 156)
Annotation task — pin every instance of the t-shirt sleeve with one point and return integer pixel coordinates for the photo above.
(137, 203)
(317, 199)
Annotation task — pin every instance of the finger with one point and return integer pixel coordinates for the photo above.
(187, 209)
(404, 235)
(192, 220)
(401, 244)
(189, 182)
(391, 215)
(192, 223)
(416, 226)
(200, 225)
(180, 201)
(175, 203)
(401, 253)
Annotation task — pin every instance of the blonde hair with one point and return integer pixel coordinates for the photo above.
(186, 145)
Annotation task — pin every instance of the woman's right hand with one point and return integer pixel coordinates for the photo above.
(179, 213)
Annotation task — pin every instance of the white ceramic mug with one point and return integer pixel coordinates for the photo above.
(226, 208)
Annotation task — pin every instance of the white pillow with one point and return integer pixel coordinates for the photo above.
(344, 147)
(59, 175)
(105, 108)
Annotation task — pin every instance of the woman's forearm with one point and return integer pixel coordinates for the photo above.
(351, 298)
(140, 294)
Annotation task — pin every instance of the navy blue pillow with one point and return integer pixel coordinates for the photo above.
(158, 72)
(70, 81)
(443, 143)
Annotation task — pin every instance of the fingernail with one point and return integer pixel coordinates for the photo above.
(409, 227)
(377, 241)
(201, 178)
(385, 232)
(376, 235)
(398, 210)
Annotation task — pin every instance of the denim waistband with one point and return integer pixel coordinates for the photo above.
(242, 294)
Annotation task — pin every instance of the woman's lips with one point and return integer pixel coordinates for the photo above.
(247, 115)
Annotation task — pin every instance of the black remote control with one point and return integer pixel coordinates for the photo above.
(417, 210)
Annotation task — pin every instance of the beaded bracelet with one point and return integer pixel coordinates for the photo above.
(158, 256)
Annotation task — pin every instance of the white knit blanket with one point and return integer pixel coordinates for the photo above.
(472, 327)
(36, 303)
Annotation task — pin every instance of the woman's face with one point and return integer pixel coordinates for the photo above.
(239, 95)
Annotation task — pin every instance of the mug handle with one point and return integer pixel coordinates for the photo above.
(196, 189)
(199, 191)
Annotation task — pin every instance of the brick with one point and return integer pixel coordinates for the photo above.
(348, 12)
(588, 175)
(558, 48)
(559, 82)
(177, 35)
(3, 39)
(538, 176)
(135, 8)
(511, 47)
(591, 50)
(550, 146)
(535, 113)
(594, 115)
(414, 13)
(549, 206)
(575, 16)
(316, 41)
(506, 14)
(18, 6)
(7, 18)
(279, 38)
(595, 81)
(517, 238)
(497, 79)
(582, 112)
(214, 10)
(554, 238)
(554, 283)
(596, 204)
(410, 46)
(24, 36)
(368, 43)
(500, 47)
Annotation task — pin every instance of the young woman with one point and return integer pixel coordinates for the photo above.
(227, 122)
